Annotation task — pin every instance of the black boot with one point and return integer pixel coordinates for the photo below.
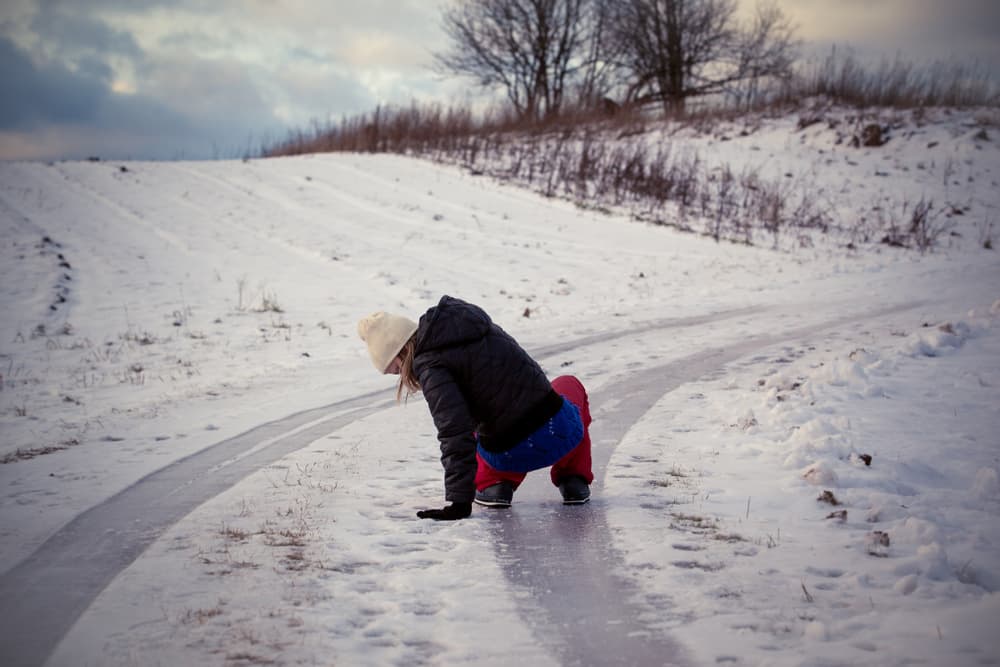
(498, 495)
(575, 490)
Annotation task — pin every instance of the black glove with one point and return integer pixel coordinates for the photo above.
(449, 513)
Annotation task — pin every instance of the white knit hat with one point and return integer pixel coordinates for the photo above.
(385, 334)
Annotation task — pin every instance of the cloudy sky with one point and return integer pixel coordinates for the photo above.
(167, 79)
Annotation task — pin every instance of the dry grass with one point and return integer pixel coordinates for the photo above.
(840, 77)
(600, 158)
(844, 78)
(285, 538)
(200, 616)
(599, 163)
(235, 534)
(30, 453)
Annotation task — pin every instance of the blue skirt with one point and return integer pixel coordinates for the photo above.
(552, 441)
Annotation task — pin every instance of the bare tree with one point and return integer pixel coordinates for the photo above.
(533, 49)
(766, 50)
(674, 50)
(598, 62)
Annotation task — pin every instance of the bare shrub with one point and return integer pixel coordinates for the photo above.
(662, 187)
(269, 303)
(906, 224)
(926, 225)
(886, 223)
(766, 201)
(720, 201)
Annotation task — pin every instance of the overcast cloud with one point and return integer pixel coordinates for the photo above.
(165, 79)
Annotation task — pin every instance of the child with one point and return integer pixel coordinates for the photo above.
(497, 415)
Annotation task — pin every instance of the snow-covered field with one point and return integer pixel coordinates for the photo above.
(831, 498)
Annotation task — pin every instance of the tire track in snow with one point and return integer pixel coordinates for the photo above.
(580, 606)
(510, 226)
(563, 559)
(349, 230)
(42, 596)
(269, 237)
(123, 212)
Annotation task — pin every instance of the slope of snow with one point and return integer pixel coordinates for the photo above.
(830, 502)
(154, 309)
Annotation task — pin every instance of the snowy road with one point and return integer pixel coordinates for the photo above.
(162, 321)
(46, 593)
(562, 557)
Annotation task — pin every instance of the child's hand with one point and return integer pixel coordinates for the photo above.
(449, 513)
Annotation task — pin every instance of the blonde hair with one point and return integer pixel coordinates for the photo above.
(408, 383)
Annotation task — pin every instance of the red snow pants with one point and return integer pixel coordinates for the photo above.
(576, 462)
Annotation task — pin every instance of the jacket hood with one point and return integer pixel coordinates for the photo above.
(451, 322)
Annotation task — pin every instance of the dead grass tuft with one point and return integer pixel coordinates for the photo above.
(30, 453)
(200, 616)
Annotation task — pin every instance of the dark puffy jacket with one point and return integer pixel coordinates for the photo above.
(476, 379)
